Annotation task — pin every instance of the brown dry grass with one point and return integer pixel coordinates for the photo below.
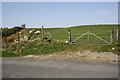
(12, 37)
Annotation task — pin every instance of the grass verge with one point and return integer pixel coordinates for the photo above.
(38, 48)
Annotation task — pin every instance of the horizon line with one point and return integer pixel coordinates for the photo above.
(65, 26)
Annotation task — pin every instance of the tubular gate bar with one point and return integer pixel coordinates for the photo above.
(88, 33)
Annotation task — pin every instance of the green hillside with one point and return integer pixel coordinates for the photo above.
(60, 35)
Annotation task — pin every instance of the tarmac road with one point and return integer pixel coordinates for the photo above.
(54, 68)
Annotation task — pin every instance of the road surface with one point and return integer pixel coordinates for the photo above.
(54, 68)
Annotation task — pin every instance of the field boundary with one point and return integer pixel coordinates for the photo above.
(73, 40)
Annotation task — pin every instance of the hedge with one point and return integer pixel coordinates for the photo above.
(7, 32)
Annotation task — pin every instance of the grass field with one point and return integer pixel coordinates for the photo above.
(102, 31)
(60, 35)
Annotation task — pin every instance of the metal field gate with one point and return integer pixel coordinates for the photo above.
(91, 38)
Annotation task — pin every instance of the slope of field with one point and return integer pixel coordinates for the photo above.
(60, 35)
(103, 31)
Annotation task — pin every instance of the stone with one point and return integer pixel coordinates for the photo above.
(66, 42)
(113, 48)
(26, 38)
(37, 32)
(31, 32)
(16, 41)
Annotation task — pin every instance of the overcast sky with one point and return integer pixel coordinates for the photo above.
(58, 14)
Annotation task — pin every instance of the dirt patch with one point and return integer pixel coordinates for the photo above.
(81, 55)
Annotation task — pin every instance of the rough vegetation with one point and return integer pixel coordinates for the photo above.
(12, 47)
(8, 32)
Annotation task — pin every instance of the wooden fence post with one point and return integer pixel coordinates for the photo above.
(42, 34)
(117, 35)
(111, 35)
(118, 32)
(88, 37)
(69, 36)
(18, 37)
(51, 36)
